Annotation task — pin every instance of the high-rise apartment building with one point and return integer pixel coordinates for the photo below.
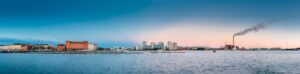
(172, 46)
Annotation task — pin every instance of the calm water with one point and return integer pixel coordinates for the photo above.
(201, 62)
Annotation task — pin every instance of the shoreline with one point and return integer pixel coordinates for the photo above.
(120, 52)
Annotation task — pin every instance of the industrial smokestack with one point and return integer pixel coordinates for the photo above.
(233, 41)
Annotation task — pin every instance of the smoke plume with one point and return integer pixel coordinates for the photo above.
(257, 27)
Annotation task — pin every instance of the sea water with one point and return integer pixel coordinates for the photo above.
(189, 62)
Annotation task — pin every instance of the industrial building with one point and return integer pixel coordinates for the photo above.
(77, 45)
(230, 47)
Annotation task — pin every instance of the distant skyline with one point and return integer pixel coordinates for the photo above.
(128, 22)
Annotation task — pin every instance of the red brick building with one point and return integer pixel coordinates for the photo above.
(77, 45)
(61, 47)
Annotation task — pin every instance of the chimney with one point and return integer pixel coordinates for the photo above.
(233, 41)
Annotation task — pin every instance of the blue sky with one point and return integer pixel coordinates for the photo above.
(126, 22)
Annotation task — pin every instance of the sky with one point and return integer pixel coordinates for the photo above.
(128, 22)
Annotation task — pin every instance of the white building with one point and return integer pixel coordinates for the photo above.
(11, 47)
(172, 46)
(144, 45)
(92, 47)
(152, 44)
(139, 47)
(161, 45)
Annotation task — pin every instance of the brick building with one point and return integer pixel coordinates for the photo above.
(61, 47)
(77, 45)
